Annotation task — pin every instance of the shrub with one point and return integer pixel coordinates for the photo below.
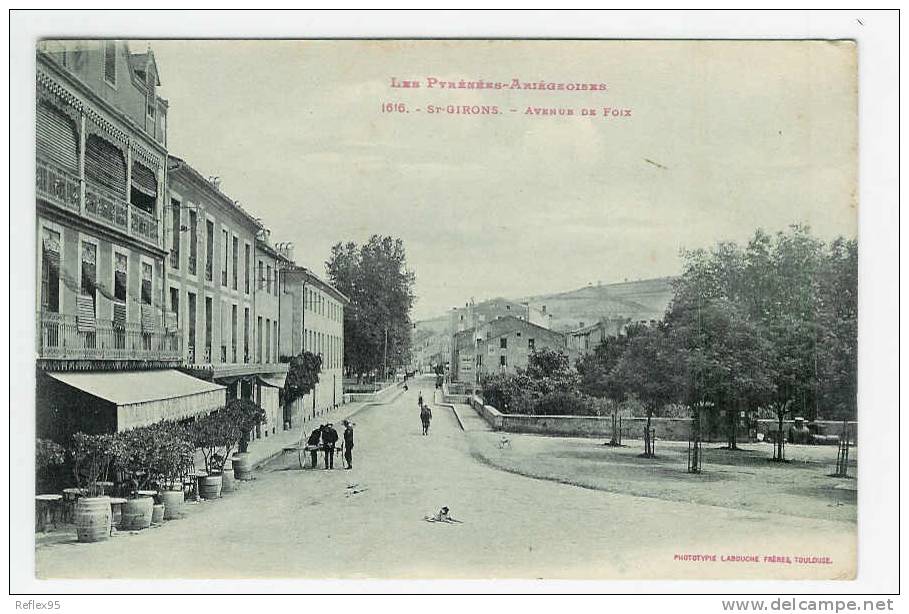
(49, 459)
(93, 458)
(564, 404)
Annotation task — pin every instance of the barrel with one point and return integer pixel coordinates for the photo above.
(137, 513)
(242, 466)
(157, 513)
(173, 504)
(93, 518)
(228, 484)
(210, 486)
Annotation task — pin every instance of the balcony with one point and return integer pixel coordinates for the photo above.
(58, 186)
(60, 337)
(63, 189)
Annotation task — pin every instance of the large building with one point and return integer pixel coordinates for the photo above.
(585, 339)
(102, 299)
(220, 290)
(312, 320)
(503, 345)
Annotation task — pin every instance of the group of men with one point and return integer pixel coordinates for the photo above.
(325, 438)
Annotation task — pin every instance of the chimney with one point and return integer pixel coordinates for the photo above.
(544, 309)
(580, 325)
(215, 181)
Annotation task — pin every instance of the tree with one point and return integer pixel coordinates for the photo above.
(377, 325)
(647, 370)
(302, 377)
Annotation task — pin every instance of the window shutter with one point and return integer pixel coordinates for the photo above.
(104, 165)
(56, 138)
(143, 179)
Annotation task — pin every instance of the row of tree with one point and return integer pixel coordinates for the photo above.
(377, 324)
(770, 325)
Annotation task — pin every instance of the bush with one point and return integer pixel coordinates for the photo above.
(93, 458)
(564, 404)
(50, 457)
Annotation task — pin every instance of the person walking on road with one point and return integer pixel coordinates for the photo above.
(425, 417)
(348, 444)
(329, 439)
(312, 444)
(420, 399)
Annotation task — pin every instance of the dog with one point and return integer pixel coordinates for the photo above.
(504, 442)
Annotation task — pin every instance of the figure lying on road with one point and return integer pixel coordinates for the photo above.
(443, 515)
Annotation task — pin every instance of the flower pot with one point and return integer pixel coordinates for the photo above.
(173, 504)
(210, 486)
(228, 483)
(137, 513)
(157, 513)
(242, 466)
(93, 518)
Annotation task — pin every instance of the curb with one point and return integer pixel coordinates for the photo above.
(457, 415)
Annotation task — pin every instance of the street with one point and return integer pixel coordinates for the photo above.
(368, 523)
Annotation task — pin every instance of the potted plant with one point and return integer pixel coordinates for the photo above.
(93, 458)
(247, 416)
(137, 463)
(214, 434)
(175, 458)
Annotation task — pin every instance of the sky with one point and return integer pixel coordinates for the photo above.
(722, 138)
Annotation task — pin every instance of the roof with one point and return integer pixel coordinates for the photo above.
(312, 278)
(504, 325)
(130, 387)
(269, 249)
(205, 184)
(139, 61)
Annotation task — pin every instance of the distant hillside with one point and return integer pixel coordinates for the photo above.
(646, 299)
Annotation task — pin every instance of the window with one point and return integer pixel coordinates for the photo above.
(502, 362)
(175, 231)
(233, 332)
(267, 339)
(193, 241)
(146, 283)
(246, 333)
(277, 277)
(261, 277)
(246, 268)
(531, 344)
(208, 316)
(191, 314)
(89, 273)
(225, 255)
(503, 343)
(274, 326)
(259, 339)
(175, 304)
(268, 279)
(209, 249)
(121, 267)
(50, 271)
(236, 260)
(110, 62)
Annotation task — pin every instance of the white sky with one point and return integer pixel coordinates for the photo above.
(743, 135)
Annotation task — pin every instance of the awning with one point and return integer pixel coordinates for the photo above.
(145, 397)
(275, 381)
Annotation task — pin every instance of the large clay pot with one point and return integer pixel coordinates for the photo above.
(157, 513)
(228, 483)
(137, 513)
(210, 486)
(93, 518)
(242, 466)
(173, 503)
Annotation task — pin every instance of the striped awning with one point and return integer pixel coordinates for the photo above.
(146, 397)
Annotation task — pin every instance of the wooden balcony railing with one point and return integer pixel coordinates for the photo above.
(57, 185)
(61, 338)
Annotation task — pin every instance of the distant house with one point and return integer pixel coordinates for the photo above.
(502, 345)
(584, 339)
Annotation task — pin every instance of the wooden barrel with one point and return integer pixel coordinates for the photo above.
(137, 513)
(210, 486)
(157, 513)
(228, 483)
(242, 466)
(93, 518)
(173, 504)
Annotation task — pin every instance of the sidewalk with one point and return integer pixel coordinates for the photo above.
(261, 451)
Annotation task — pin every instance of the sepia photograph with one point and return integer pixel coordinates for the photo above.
(446, 309)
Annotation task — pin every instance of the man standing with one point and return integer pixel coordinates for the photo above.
(348, 444)
(329, 439)
(425, 417)
(312, 444)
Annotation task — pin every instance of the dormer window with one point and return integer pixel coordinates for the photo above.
(110, 62)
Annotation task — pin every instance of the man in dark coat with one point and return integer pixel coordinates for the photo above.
(313, 445)
(348, 444)
(329, 439)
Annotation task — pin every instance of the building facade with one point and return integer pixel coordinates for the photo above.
(584, 339)
(221, 293)
(101, 299)
(312, 320)
(503, 345)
